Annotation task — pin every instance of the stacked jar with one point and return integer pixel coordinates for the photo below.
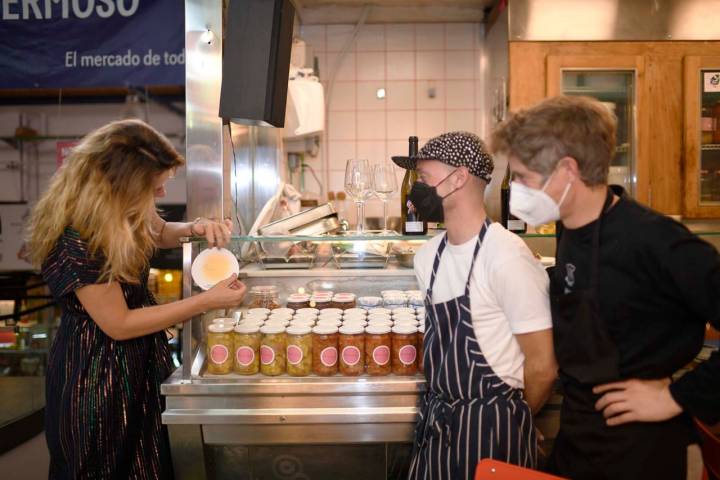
(351, 344)
(247, 349)
(298, 301)
(264, 296)
(404, 349)
(325, 350)
(219, 346)
(344, 301)
(378, 347)
(299, 350)
(272, 350)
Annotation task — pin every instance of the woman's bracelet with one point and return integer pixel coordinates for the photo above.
(192, 227)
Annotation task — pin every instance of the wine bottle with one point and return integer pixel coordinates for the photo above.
(411, 223)
(509, 221)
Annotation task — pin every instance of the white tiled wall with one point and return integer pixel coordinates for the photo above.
(431, 76)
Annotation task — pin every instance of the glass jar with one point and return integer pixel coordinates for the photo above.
(219, 346)
(264, 296)
(378, 345)
(344, 301)
(247, 349)
(404, 350)
(299, 350)
(272, 350)
(394, 301)
(321, 302)
(324, 350)
(351, 344)
(421, 348)
(297, 301)
(416, 301)
(367, 303)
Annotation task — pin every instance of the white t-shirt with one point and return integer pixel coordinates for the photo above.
(508, 293)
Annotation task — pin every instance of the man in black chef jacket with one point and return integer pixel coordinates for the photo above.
(631, 294)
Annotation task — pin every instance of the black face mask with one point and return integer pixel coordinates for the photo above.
(427, 202)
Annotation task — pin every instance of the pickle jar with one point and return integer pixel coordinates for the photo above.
(321, 302)
(421, 348)
(247, 349)
(351, 344)
(298, 301)
(378, 346)
(344, 301)
(404, 349)
(272, 350)
(299, 350)
(366, 303)
(324, 350)
(264, 296)
(219, 348)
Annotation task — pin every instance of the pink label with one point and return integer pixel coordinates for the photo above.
(329, 356)
(351, 356)
(381, 355)
(219, 354)
(244, 356)
(267, 355)
(407, 355)
(294, 354)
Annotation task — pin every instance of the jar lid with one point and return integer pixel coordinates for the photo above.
(377, 329)
(369, 301)
(298, 330)
(280, 316)
(344, 297)
(387, 323)
(223, 320)
(328, 321)
(307, 316)
(264, 289)
(298, 298)
(355, 311)
(247, 328)
(323, 292)
(252, 321)
(283, 323)
(413, 323)
(302, 321)
(352, 329)
(339, 311)
(220, 328)
(383, 311)
(385, 293)
(263, 311)
(348, 318)
(282, 310)
(324, 329)
(272, 329)
(404, 329)
(378, 316)
(421, 328)
(405, 317)
(399, 310)
(355, 321)
(330, 315)
(307, 310)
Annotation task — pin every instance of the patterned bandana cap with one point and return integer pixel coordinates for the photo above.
(457, 149)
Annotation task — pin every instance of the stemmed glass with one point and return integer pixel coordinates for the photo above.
(358, 184)
(384, 185)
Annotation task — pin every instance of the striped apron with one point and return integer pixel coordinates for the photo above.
(468, 413)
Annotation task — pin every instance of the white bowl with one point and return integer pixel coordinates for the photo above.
(212, 266)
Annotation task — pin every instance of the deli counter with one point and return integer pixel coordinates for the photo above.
(309, 426)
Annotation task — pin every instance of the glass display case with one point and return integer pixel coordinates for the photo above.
(702, 137)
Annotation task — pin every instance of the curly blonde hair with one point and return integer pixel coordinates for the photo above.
(105, 191)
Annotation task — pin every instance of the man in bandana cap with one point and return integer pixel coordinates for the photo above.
(489, 360)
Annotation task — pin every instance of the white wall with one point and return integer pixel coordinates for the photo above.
(71, 120)
(407, 60)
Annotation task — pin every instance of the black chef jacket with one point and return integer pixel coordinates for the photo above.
(659, 286)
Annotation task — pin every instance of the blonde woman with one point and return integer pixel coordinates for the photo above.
(92, 234)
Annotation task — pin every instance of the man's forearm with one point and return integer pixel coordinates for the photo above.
(538, 388)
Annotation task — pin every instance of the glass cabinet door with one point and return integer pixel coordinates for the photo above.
(616, 90)
(702, 137)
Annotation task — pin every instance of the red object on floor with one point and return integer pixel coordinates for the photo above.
(710, 450)
(494, 470)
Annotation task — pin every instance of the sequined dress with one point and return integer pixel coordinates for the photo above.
(102, 417)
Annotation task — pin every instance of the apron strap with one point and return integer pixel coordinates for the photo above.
(595, 262)
(436, 264)
(480, 239)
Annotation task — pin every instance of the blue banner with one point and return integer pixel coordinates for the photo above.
(91, 43)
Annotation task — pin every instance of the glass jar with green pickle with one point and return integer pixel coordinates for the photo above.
(299, 350)
(219, 348)
(247, 341)
(272, 350)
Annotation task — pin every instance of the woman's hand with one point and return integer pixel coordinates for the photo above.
(228, 293)
(216, 233)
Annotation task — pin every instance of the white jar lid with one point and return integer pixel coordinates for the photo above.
(263, 311)
(247, 328)
(325, 329)
(352, 329)
(421, 328)
(285, 311)
(332, 310)
(298, 330)
(298, 298)
(326, 321)
(257, 323)
(378, 316)
(411, 321)
(314, 311)
(280, 316)
(331, 316)
(404, 329)
(302, 321)
(355, 311)
(399, 310)
(381, 311)
(272, 329)
(283, 323)
(377, 329)
(223, 320)
(355, 321)
(220, 327)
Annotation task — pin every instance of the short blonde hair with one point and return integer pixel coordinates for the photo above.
(105, 192)
(577, 127)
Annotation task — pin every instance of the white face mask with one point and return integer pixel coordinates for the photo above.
(535, 207)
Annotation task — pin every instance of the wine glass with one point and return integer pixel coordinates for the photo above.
(384, 185)
(358, 184)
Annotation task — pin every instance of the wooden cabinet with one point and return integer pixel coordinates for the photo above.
(659, 155)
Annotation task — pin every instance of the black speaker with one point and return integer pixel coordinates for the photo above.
(256, 61)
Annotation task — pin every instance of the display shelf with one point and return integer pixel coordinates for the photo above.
(391, 270)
